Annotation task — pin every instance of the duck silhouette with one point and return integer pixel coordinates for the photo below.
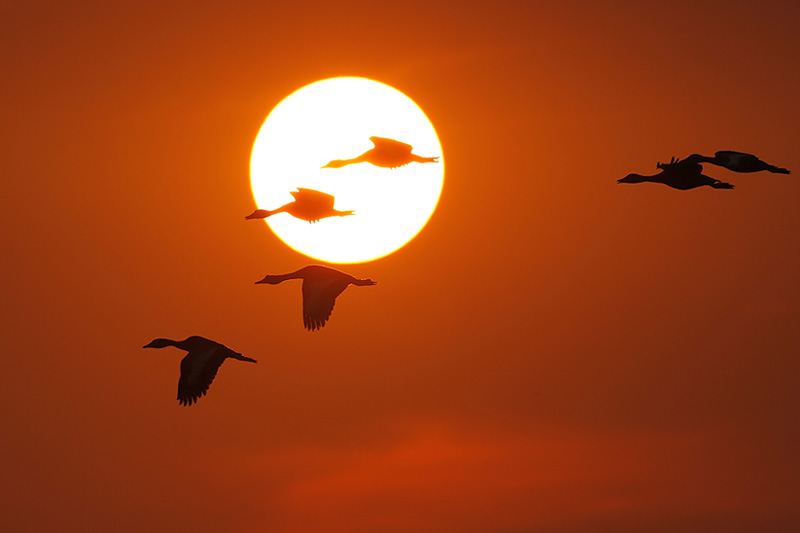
(308, 204)
(736, 161)
(199, 366)
(387, 153)
(685, 174)
(321, 286)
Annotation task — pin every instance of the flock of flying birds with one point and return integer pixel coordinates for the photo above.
(321, 284)
(685, 174)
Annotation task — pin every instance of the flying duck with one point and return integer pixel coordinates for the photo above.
(736, 161)
(308, 204)
(321, 286)
(387, 153)
(681, 175)
(199, 366)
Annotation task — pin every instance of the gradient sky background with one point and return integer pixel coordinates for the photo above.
(554, 352)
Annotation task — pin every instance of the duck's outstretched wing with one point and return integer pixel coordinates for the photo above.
(681, 170)
(687, 164)
(313, 198)
(319, 297)
(390, 145)
(198, 370)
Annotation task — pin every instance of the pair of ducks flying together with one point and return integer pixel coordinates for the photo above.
(312, 205)
(685, 174)
(321, 286)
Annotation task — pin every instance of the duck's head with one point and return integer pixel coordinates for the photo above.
(336, 163)
(257, 214)
(159, 343)
(632, 178)
(271, 279)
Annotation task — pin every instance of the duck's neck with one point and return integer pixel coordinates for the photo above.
(697, 158)
(163, 343)
(260, 213)
(638, 178)
(339, 163)
(359, 159)
(283, 277)
(274, 279)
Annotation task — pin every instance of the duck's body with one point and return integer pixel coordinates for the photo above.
(200, 365)
(309, 205)
(736, 161)
(387, 153)
(682, 176)
(321, 286)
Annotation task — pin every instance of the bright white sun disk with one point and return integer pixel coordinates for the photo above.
(334, 119)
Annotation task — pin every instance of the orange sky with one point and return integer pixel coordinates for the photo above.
(554, 352)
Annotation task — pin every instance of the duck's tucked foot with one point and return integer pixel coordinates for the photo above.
(778, 170)
(721, 185)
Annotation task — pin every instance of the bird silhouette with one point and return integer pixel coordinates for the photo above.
(321, 286)
(685, 174)
(308, 204)
(199, 366)
(387, 153)
(736, 161)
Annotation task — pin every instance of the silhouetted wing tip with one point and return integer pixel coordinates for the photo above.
(189, 398)
(313, 324)
(187, 402)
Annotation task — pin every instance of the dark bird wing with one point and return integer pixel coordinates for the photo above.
(198, 370)
(313, 199)
(689, 164)
(319, 296)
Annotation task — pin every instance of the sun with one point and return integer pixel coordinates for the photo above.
(334, 119)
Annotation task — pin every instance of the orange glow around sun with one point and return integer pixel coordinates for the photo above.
(334, 119)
